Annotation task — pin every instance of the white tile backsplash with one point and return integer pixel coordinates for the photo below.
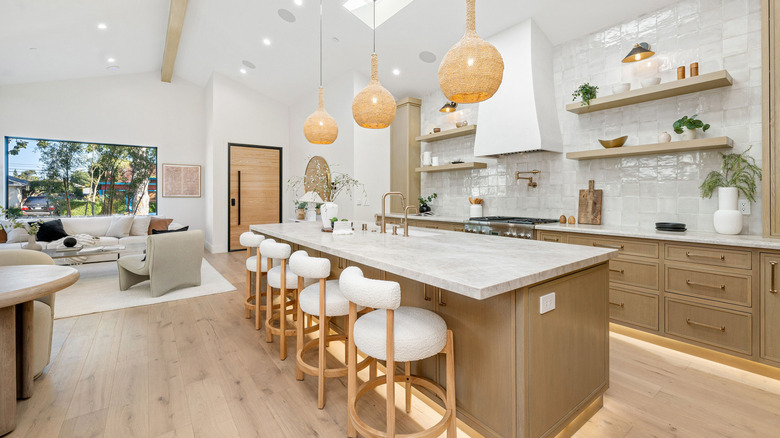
(638, 191)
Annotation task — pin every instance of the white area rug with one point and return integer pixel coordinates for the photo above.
(97, 290)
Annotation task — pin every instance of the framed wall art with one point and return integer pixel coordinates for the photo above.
(180, 181)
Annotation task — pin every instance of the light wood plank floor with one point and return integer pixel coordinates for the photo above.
(197, 368)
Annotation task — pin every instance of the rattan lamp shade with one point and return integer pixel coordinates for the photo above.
(320, 127)
(473, 69)
(374, 106)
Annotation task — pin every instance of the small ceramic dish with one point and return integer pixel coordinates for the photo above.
(621, 88)
(649, 82)
(616, 143)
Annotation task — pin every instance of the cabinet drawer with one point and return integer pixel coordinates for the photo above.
(709, 256)
(727, 288)
(546, 236)
(727, 329)
(637, 248)
(634, 273)
(634, 308)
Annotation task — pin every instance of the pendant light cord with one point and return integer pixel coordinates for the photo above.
(320, 43)
(374, 26)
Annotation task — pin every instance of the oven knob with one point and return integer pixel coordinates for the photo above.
(523, 236)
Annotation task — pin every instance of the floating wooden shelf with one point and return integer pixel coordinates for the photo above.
(448, 167)
(661, 91)
(650, 149)
(450, 133)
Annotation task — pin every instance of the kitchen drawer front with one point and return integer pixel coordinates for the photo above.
(709, 256)
(634, 308)
(727, 329)
(634, 273)
(639, 248)
(726, 288)
(546, 236)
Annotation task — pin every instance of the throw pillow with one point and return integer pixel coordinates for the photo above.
(14, 235)
(3, 235)
(171, 231)
(120, 226)
(140, 225)
(50, 231)
(159, 223)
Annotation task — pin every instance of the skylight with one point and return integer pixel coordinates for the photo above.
(385, 9)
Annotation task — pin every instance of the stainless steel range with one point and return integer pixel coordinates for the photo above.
(508, 226)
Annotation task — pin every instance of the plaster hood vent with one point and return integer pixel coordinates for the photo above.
(522, 116)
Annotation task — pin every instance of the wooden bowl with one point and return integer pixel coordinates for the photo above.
(616, 143)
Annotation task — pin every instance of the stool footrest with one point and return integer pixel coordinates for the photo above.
(329, 372)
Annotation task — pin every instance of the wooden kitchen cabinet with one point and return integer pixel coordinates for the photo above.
(416, 294)
(770, 307)
(405, 153)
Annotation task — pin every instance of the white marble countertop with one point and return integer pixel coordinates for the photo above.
(473, 265)
(426, 218)
(745, 241)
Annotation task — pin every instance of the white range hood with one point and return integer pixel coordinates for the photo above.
(522, 116)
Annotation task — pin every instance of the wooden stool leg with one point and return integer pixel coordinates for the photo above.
(299, 332)
(352, 369)
(269, 311)
(408, 392)
(346, 356)
(247, 313)
(322, 352)
(452, 429)
(390, 376)
(258, 304)
(283, 313)
(372, 370)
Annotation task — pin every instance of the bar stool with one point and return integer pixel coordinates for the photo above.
(282, 278)
(324, 300)
(395, 334)
(259, 266)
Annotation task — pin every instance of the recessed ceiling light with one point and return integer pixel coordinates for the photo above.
(286, 15)
(243, 71)
(248, 64)
(111, 60)
(298, 2)
(33, 48)
(266, 41)
(112, 67)
(336, 39)
(396, 71)
(428, 57)
(102, 26)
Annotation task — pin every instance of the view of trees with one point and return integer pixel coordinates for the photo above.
(82, 179)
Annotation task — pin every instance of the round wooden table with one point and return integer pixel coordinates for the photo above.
(19, 286)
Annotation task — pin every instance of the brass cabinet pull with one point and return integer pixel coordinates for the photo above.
(705, 256)
(619, 271)
(441, 299)
(772, 281)
(701, 324)
(425, 293)
(693, 283)
(552, 239)
(604, 245)
(621, 305)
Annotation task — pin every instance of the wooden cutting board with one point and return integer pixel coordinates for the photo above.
(590, 205)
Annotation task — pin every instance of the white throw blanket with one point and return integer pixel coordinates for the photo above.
(84, 240)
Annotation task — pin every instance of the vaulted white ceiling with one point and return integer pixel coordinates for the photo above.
(44, 40)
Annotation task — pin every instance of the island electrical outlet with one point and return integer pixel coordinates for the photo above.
(547, 303)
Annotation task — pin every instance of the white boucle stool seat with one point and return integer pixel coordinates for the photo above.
(274, 278)
(251, 264)
(336, 304)
(418, 334)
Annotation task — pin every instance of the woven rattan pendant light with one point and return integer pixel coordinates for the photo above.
(320, 127)
(473, 69)
(374, 106)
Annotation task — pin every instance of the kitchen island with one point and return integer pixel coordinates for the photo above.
(519, 372)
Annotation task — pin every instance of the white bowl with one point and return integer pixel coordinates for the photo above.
(621, 88)
(649, 82)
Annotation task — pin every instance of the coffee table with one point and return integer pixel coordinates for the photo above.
(85, 252)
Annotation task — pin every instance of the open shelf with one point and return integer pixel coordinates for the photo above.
(661, 91)
(450, 133)
(659, 148)
(448, 167)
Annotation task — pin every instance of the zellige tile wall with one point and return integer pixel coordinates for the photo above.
(638, 191)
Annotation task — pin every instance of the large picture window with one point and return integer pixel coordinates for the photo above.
(68, 178)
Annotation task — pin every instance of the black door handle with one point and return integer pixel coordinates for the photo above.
(239, 197)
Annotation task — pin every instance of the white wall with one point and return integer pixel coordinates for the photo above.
(237, 115)
(134, 109)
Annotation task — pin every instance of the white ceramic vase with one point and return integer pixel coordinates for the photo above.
(328, 211)
(690, 134)
(475, 210)
(32, 244)
(728, 219)
(664, 137)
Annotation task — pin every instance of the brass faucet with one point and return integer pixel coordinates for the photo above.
(530, 179)
(403, 201)
(406, 218)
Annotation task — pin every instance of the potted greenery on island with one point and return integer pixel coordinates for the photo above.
(424, 207)
(738, 175)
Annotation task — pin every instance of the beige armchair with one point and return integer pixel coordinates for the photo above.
(172, 261)
(43, 308)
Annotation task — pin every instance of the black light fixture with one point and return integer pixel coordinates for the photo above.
(639, 52)
(449, 107)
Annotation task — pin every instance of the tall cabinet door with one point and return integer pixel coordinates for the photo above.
(255, 189)
(770, 306)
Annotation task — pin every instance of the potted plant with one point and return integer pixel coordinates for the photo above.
(587, 92)
(738, 175)
(300, 210)
(688, 127)
(424, 207)
(30, 227)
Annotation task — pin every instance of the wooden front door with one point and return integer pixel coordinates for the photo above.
(255, 189)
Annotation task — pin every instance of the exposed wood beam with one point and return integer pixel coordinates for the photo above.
(175, 25)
